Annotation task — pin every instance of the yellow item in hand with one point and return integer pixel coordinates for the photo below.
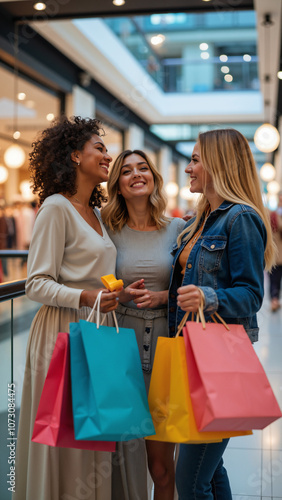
(111, 283)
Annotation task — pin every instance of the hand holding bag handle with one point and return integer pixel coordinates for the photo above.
(93, 310)
(228, 385)
(200, 315)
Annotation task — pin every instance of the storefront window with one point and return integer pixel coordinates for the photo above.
(31, 112)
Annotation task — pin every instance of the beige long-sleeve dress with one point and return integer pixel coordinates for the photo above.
(66, 256)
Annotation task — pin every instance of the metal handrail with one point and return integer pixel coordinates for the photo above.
(12, 254)
(12, 289)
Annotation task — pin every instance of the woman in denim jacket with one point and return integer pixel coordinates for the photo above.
(220, 256)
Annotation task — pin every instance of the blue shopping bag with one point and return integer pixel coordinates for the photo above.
(108, 390)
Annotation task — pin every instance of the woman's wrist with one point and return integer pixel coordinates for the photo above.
(84, 299)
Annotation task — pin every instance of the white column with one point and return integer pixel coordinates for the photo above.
(134, 138)
(80, 103)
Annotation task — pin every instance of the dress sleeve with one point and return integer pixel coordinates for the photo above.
(45, 259)
(246, 245)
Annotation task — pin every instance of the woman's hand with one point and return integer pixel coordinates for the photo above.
(189, 298)
(109, 300)
(146, 299)
(125, 293)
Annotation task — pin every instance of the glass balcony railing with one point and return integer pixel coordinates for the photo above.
(176, 62)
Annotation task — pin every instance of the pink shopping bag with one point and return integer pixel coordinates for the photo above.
(228, 385)
(54, 419)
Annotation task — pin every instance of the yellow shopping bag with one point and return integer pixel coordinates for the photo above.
(169, 398)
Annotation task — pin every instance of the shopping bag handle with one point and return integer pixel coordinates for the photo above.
(200, 316)
(97, 305)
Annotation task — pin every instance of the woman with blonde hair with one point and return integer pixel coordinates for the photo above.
(144, 237)
(219, 257)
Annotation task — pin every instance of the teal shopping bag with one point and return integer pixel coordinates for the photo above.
(108, 390)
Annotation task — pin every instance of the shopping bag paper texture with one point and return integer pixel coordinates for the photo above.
(54, 420)
(228, 385)
(109, 395)
(169, 397)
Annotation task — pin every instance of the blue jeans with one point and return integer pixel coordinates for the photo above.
(200, 474)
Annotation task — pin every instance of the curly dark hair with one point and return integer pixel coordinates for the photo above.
(51, 167)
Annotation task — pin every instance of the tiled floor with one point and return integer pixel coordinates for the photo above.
(254, 463)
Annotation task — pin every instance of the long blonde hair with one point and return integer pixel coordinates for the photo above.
(226, 156)
(115, 213)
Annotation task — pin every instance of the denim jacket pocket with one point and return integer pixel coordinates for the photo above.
(211, 254)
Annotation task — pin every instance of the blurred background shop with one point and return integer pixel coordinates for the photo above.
(156, 73)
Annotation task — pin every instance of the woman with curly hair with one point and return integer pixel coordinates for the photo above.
(144, 236)
(69, 252)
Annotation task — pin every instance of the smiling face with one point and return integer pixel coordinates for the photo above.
(200, 179)
(93, 160)
(136, 178)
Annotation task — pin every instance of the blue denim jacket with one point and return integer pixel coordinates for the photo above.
(227, 263)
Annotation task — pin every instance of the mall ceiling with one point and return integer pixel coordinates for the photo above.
(66, 9)
(23, 11)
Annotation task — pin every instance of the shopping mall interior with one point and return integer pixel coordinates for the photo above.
(156, 73)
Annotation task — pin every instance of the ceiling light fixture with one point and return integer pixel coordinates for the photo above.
(223, 58)
(118, 3)
(205, 55)
(279, 74)
(203, 46)
(171, 189)
(224, 69)
(21, 96)
(39, 6)
(247, 57)
(157, 39)
(3, 174)
(273, 187)
(267, 172)
(228, 78)
(267, 137)
(14, 156)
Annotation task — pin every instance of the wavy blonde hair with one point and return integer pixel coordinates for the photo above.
(225, 154)
(115, 213)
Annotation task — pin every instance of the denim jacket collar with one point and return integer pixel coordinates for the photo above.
(224, 206)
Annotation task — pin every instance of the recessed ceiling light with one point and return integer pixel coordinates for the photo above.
(21, 96)
(205, 55)
(224, 69)
(247, 57)
(203, 46)
(228, 78)
(157, 39)
(39, 6)
(223, 58)
(279, 74)
(16, 134)
(118, 3)
(50, 117)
